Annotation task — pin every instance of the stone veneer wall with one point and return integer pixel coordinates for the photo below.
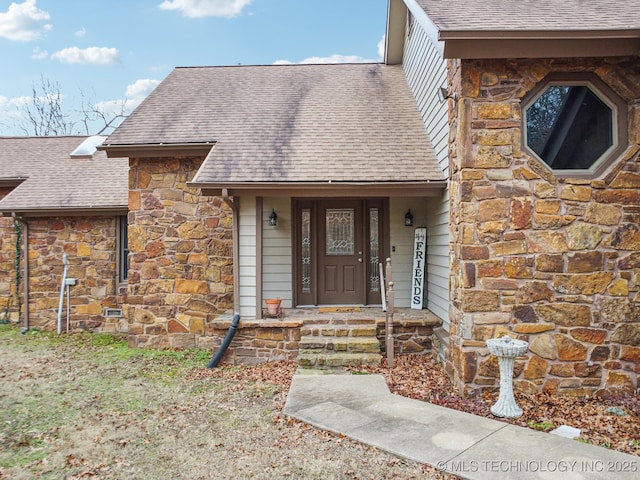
(552, 261)
(255, 341)
(258, 341)
(8, 294)
(90, 245)
(180, 260)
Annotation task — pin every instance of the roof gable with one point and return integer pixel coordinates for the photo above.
(288, 123)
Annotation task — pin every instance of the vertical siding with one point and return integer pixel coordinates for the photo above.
(426, 71)
(247, 242)
(276, 251)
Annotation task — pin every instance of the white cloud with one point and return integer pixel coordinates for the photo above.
(7, 103)
(206, 8)
(382, 45)
(335, 58)
(141, 88)
(11, 114)
(39, 54)
(81, 33)
(94, 55)
(24, 22)
(134, 95)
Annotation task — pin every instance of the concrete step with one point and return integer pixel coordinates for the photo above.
(337, 359)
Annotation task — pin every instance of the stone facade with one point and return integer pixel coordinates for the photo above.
(255, 341)
(553, 261)
(259, 341)
(90, 245)
(8, 295)
(180, 260)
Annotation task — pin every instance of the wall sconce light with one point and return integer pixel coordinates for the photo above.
(443, 94)
(408, 219)
(273, 218)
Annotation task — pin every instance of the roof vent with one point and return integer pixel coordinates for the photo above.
(88, 147)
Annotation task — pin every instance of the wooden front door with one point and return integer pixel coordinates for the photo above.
(340, 252)
(339, 243)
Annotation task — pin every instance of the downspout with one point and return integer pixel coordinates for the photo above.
(25, 275)
(65, 261)
(236, 280)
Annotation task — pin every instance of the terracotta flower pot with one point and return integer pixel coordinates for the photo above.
(273, 306)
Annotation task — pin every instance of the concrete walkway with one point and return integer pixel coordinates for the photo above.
(468, 446)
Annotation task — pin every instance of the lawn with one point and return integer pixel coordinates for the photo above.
(86, 406)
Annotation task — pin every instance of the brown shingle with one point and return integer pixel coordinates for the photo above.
(533, 15)
(55, 181)
(289, 123)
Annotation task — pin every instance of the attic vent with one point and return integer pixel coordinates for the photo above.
(88, 147)
(113, 312)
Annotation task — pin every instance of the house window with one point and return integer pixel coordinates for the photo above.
(575, 124)
(123, 249)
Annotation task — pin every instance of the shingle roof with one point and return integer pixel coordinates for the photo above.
(290, 123)
(533, 15)
(55, 180)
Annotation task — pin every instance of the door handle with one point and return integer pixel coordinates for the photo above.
(360, 259)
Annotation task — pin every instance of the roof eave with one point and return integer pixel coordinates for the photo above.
(395, 32)
(325, 189)
(539, 44)
(64, 211)
(156, 149)
(11, 181)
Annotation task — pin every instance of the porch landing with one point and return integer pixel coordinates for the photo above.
(297, 316)
(324, 336)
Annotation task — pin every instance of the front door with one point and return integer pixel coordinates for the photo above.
(340, 252)
(338, 248)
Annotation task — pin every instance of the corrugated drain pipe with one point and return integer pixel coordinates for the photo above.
(233, 204)
(25, 275)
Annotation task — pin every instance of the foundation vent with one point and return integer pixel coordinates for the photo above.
(113, 312)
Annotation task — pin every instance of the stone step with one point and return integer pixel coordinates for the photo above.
(317, 344)
(337, 342)
(346, 330)
(337, 359)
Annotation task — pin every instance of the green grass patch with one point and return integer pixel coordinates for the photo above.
(542, 426)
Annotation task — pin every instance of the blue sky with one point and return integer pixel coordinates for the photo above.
(106, 52)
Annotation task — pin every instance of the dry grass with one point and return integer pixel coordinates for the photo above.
(89, 407)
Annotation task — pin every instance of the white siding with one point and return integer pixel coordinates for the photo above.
(426, 71)
(276, 251)
(247, 267)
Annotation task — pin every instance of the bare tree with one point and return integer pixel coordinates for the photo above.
(96, 117)
(45, 115)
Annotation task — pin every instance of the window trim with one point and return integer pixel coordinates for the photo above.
(619, 109)
(121, 257)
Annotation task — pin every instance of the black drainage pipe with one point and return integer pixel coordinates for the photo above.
(225, 343)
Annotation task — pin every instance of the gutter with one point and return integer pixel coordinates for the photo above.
(558, 34)
(65, 211)
(25, 275)
(156, 150)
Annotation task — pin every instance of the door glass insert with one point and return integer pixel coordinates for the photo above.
(374, 251)
(305, 256)
(340, 231)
